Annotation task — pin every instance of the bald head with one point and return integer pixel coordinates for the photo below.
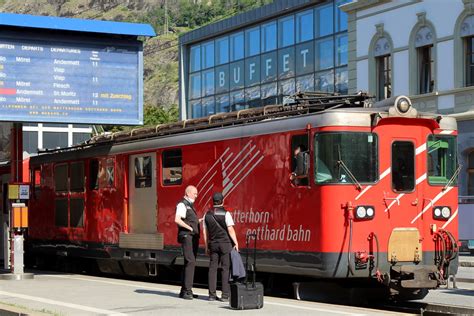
(191, 193)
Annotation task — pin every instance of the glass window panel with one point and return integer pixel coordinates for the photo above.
(269, 93)
(252, 42)
(196, 108)
(358, 151)
(442, 159)
(208, 82)
(237, 75)
(341, 51)
(237, 100)
(77, 212)
(470, 184)
(471, 160)
(222, 79)
(61, 212)
(269, 36)
(342, 79)
(79, 138)
(30, 142)
(208, 55)
(94, 174)
(286, 62)
(304, 58)
(52, 140)
(324, 81)
(81, 126)
(341, 16)
(324, 20)
(143, 172)
(286, 31)
(54, 125)
(208, 106)
(268, 67)
(252, 71)
(195, 59)
(77, 176)
(324, 54)
(222, 103)
(305, 83)
(252, 96)
(286, 87)
(222, 50)
(195, 85)
(403, 166)
(237, 46)
(172, 167)
(61, 177)
(304, 26)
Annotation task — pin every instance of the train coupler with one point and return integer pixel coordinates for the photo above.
(418, 277)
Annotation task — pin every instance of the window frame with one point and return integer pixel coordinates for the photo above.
(421, 64)
(66, 190)
(146, 179)
(162, 160)
(382, 74)
(468, 43)
(427, 160)
(315, 156)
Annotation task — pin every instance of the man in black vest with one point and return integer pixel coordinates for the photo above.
(219, 236)
(188, 235)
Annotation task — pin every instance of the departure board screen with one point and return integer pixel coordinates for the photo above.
(67, 82)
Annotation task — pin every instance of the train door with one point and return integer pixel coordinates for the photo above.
(143, 197)
(404, 244)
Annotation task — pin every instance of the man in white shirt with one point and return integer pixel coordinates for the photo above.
(188, 235)
(219, 238)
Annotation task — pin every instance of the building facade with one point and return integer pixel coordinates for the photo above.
(259, 57)
(423, 49)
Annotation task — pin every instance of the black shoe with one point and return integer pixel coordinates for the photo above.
(187, 296)
(213, 298)
(224, 299)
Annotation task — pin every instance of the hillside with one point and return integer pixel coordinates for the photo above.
(161, 52)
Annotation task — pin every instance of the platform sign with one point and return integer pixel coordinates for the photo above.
(70, 82)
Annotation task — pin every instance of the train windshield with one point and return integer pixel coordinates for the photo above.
(345, 157)
(442, 159)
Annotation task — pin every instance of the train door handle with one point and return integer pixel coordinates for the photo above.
(392, 199)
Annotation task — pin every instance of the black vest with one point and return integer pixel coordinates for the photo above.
(191, 219)
(216, 227)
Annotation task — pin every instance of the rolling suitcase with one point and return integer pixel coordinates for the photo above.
(247, 295)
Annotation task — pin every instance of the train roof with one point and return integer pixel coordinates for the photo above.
(315, 109)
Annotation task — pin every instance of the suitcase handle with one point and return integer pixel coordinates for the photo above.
(253, 267)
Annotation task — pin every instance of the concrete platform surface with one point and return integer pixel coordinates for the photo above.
(69, 294)
(466, 261)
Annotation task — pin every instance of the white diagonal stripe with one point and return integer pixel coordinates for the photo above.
(215, 163)
(242, 160)
(420, 149)
(242, 169)
(439, 196)
(450, 219)
(207, 182)
(245, 175)
(383, 175)
(421, 179)
(210, 188)
(228, 157)
(237, 156)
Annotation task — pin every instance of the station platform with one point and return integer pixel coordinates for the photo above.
(51, 293)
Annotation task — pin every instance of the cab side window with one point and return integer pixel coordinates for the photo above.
(172, 167)
(300, 160)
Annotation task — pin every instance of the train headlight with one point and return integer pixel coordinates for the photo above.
(403, 105)
(364, 212)
(442, 212)
(361, 212)
(446, 212)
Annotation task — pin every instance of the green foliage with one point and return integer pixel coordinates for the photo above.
(154, 115)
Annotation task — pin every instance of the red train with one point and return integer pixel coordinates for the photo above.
(372, 195)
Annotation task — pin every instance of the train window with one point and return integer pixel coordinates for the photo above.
(77, 213)
(442, 159)
(61, 177)
(143, 172)
(60, 212)
(299, 160)
(403, 166)
(77, 176)
(37, 181)
(172, 167)
(94, 174)
(346, 157)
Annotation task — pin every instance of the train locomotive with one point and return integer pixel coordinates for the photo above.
(334, 187)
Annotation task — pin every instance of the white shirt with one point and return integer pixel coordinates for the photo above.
(181, 209)
(229, 221)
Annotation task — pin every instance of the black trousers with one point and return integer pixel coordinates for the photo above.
(190, 245)
(219, 252)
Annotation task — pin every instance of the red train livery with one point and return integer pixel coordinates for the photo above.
(372, 194)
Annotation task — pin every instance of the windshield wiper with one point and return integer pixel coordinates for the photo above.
(349, 173)
(451, 180)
